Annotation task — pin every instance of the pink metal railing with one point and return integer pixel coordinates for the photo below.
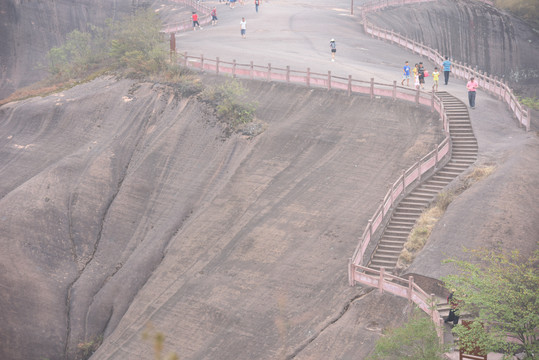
(395, 285)
(462, 71)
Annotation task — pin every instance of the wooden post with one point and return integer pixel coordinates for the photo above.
(370, 228)
(251, 70)
(351, 270)
(269, 72)
(234, 68)
(381, 281)
(308, 80)
(172, 47)
(410, 288)
(201, 62)
(329, 80)
(394, 90)
(349, 85)
(417, 97)
(403, 181)
(217, 65)
(287, 73)
(372, 88)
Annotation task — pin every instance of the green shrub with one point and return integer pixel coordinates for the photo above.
(415, 340)
(230, 103)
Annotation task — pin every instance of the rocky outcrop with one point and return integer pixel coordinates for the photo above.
(471, 32)
(29, 29)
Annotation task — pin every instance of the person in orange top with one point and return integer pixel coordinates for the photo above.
(195, 21)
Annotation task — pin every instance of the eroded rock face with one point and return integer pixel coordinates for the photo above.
(119, 198)
(29, 29)
(473, 33)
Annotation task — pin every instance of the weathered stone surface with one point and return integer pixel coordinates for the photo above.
(472, 33)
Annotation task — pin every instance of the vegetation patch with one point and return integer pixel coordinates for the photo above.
(87, 348)
(416, 339)
(531, 102)
(500, 289)
(526, 9)
(233, 108)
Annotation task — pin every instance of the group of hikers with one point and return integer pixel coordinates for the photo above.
(420, 73)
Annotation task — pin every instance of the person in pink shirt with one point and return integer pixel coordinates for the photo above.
(472, 85)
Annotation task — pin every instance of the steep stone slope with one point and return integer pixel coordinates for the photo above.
(119, 196)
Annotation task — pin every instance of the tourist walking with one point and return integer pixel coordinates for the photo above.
(213, 16)
(243, 27)
(406, 74)
(421, 71)
(333, 47)
(435, 77)
(447, 69)
(472, 86)
(195, 21)
(257, 3)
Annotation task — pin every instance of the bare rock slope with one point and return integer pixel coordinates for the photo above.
(123, 205)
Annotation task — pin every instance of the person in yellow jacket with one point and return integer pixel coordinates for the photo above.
(435, 77)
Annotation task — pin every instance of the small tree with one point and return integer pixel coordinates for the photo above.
(502, 291)
(416, 339)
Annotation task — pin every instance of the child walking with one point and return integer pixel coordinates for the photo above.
(435, 77)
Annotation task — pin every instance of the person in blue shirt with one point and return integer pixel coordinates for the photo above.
(406, 74)
(447, 69)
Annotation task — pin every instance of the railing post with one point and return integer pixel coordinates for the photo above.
(349, 85)
(308, 80)
(403, 181)
(410, 287)
(251, 70)
(372, 88)
(351, 270)
(381, 281)
(202, 62)
(269, 72)
(417, 96)
(217, 65)
(329, 80)
(529, 119)
(234, 68)
(172, 46)
(370, 228)
(436, 159)
(394, 90)
(419, 170)
(287, 73)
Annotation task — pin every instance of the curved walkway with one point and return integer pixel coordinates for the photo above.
(463, 154)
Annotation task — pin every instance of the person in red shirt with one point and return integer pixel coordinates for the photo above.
(195, 21)
(214, 16)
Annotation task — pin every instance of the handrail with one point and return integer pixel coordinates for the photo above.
(395, 285)
(490, 84)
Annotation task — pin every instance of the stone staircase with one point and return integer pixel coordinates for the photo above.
(408, 210)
